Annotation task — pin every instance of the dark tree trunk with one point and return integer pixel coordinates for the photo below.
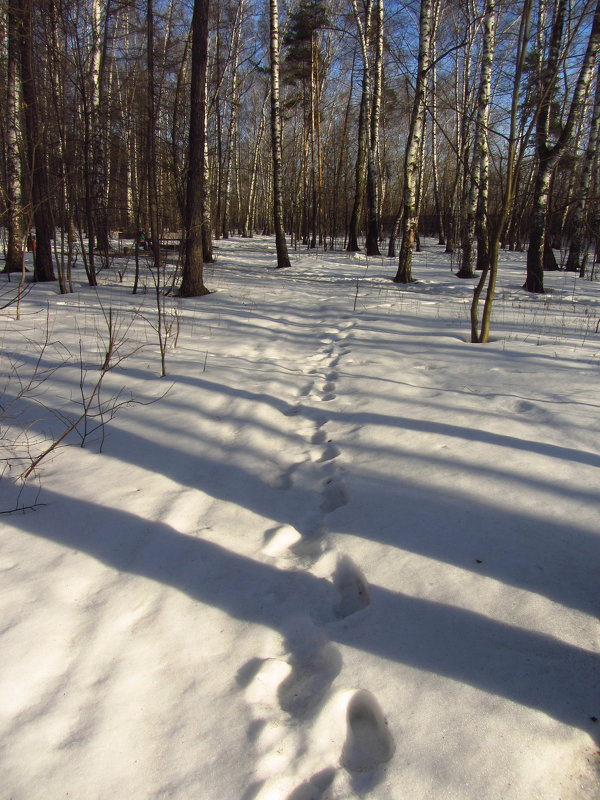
(36, 153)
(14, 249)
(151, 138)
(360, 170)
(192, 284)
(548, 156)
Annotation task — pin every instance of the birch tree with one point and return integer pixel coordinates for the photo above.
(576, 257)
(233, 115)
(370, 34)
(434, 131)
(490, 269)
(283, 259)
(477, 211)
(98, 58)
(548, 154)
(151, 123)
(248, 225)
(410, 219)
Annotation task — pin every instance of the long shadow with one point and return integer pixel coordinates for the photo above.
(362, 418)
(417, 330)
(529, 552)
(408, 517)
(525, 667)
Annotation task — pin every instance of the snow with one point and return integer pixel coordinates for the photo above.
(337, 552)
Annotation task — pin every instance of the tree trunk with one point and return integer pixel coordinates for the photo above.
(479, 204)
(578, 240)
(410, 219)
(469, 211)
(14, 250)
(360, 173)
(490, 270)
(151, 124)
(192, 284)
(207, 241)
(468, 164)
(97, 128)
(36, 150)
(547, 157)
(372, 240)
(233, 118)
(280, 242)
(247, 230)
(434, 142)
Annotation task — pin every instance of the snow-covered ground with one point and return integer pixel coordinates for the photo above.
(338, 552)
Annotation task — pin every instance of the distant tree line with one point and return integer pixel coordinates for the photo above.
(329, 123)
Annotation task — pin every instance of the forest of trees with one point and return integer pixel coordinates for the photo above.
(354, 124)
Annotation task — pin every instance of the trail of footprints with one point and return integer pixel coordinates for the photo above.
(343, 732)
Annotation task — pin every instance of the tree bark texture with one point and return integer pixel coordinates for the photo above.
(36, 150)
(276, 146)
(14, 215)
(410, 219)
(192, 284)
(575, 261)
(548, 156)
(372, 239)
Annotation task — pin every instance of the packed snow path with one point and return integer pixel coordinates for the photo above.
(347, 555)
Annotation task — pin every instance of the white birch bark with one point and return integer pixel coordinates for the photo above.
(434, 132)
(490, 271)
(276, 139)
(249, 217)
(233, 118)
(98, 135)
(372, 242)
(548, 156)
(410, 219)
(576, 257)
(360, 170)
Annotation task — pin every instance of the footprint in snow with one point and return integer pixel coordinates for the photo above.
(280, 540)
(352, 588)
(318, 437)
(282, 480)
(368, 742)
(306, 389)
(311, 546)
(334, 496)
(329, 453)
(311, 676)
(317, 418)
(314, 788)
(261, 679)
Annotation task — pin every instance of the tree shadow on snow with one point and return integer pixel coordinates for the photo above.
(525, 667)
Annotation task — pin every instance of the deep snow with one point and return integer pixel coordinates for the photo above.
(347, 554)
